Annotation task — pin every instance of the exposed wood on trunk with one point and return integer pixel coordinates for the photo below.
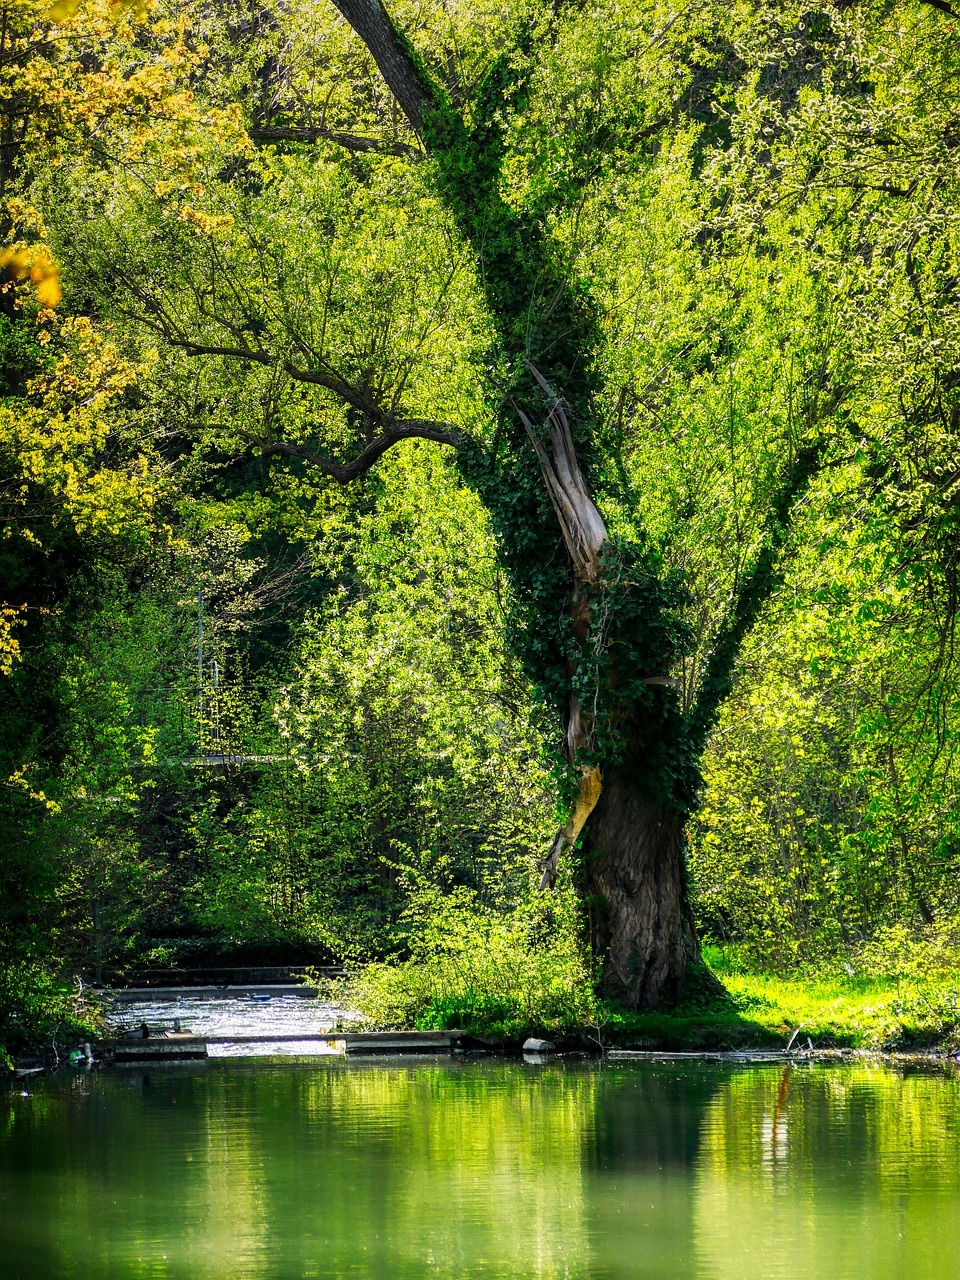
(584, 534)
(582, 525)
(587, 797)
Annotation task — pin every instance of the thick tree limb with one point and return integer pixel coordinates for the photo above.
(319, 133)
(343, 473)
(349, 394)
(392, 430)
(942, 6)
(315, 377)
(370, 21)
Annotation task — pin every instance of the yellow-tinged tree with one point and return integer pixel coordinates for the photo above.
(80, 80)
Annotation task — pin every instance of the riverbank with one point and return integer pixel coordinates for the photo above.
(833, 1010)
(759, 1011)
(766, 1011)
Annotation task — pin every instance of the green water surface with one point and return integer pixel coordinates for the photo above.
(249, 1170)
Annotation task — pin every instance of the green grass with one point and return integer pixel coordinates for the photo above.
(864, 1014)
(836, 1010)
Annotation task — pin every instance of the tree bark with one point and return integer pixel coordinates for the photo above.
(641, 924)
(370, 21)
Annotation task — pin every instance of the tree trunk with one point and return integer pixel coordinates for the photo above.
(641, 924)
(375, 28)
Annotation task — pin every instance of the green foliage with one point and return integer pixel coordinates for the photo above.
(492, 971)
(39, 1009)
(401, 731)
(927, 954)
(729, 240)
(831, 806)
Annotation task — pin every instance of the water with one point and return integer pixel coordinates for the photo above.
(238, 1015)
(258, 1170)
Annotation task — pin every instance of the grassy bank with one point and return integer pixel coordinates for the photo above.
(767, 1011)
(500, 989)
(40, 1009)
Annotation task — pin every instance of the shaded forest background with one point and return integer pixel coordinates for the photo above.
(251, 715)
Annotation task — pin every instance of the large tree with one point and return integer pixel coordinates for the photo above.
(601, 626)
(656, 245)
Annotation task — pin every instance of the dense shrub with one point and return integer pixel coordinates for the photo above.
(489, 971)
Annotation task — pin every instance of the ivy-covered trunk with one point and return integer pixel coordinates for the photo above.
(629, 815)
(597, 620)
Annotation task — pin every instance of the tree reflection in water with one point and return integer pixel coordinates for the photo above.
(581, 1172)
(862, 1178)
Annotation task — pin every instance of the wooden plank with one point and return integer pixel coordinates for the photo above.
(163, 1044)
(401, 1037)
(162, 1051)
(160, 1062)
(226, 975)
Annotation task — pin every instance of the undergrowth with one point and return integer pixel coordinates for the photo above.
(503, 976)
(493, 973)
(39, 1009)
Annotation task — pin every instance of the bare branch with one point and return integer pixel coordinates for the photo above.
(199, 349)
(320, 133)
(315, 377)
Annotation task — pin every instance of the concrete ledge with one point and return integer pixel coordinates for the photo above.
(180, 1046)
(355, 1042)
(125, 995)
(172, 1047)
